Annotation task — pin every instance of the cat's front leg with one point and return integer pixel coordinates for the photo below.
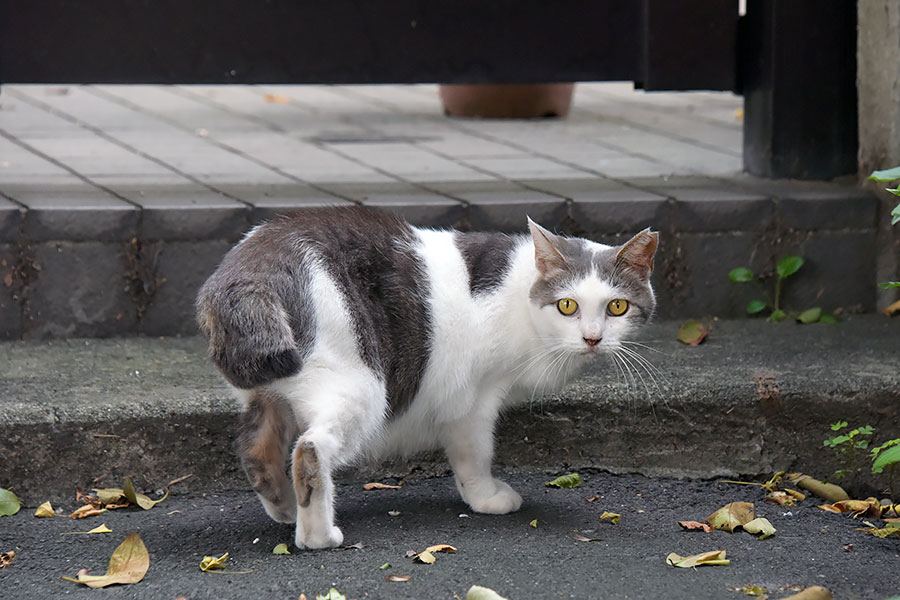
(469, 444)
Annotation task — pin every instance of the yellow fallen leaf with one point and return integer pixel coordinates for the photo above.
(380, 486)
(815, 592)
(613, 517)
(780, 498)
(109, 495)
(828, 491)
(87, 511)
(45, 510)
(281, 549)
(211, 562)
(891, 309)
(565, 481)
(99, 529)
(140, 499)
(751, 590)
(795, 494)
(713, 558)
(731, 515)
(533, 523)
(760, 525)
(276, 99)
(830, 508)
(128, 564)
(883, 533)
(476, 592)
(427, 555)
(332, 594)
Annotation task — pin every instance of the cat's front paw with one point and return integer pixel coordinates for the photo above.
(503, 500)
(330, 537)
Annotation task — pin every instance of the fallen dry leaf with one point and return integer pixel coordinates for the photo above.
(692, 525)
(571, 480)
(332, 594)
(829, 508)
(533, 523)
(827, 491)
(892, 309)
(6, 558)
(380, 486)
(693, 333)
(594, 498)
(88, 510)
(780, 498)
(356, 546)
(427, 555)
(276, 99)
(99, 529)
(278, 549)
(476, 592)
(8, 279)
(613, 517)
(211, 562)
(397, 578)
(811, 593)
(410, 553)
(128, 564)
(140, 499)
(884, 532)
(45, 510)
(750, 590)
(582, 538)
(760, 525)
(731, 516)
(713, 558)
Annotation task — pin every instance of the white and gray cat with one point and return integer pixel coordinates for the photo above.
(350, 334)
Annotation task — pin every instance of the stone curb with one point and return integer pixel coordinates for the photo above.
(98, 266)
(754, 398)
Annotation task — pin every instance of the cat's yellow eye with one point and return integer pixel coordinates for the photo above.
(617, 307)
(567, 306)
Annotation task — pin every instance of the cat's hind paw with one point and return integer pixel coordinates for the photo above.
(503, 500)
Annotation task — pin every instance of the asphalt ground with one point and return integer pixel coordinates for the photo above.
(505, 553)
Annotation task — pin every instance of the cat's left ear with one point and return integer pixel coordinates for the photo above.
(547, 257)
(638, 252)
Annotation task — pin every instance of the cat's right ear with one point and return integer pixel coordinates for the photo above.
(547, 257)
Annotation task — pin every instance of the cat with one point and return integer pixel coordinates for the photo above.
(349, 334)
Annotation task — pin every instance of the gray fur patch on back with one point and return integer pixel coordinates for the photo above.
(487, 256)
(582, 259)
(367, 253)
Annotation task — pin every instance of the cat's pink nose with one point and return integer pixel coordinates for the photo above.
(591, 341)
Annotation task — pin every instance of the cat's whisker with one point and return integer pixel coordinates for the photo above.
(631, 363)
(645, 346)
(652, 370)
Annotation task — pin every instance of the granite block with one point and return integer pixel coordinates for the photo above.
(11, 216)
(175, 271)
(423, 210)
(814, 205)
(10, 294)
(76, 213)
(180, 215)
(600, 207)
(79, 289)
(505, 206)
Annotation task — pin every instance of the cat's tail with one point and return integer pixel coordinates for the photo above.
(249, 332)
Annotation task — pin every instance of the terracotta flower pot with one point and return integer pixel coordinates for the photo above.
(507, 101)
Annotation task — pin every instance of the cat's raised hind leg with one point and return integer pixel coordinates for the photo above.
(469, 444)
(267, 428)
(344, 409)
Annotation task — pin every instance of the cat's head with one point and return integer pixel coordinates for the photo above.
(588, 297)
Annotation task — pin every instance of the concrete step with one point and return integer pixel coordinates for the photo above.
(754, 398)
(75, 266)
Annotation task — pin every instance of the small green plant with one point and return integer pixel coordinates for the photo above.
(848, 446)
(887, 455)
(887, 176)
(785, 267)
